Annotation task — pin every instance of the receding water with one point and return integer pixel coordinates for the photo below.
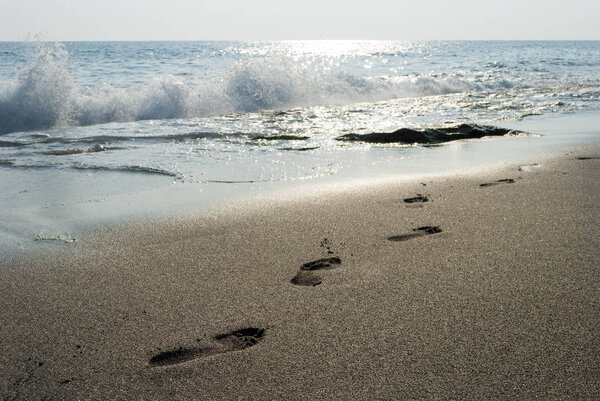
(89, 129)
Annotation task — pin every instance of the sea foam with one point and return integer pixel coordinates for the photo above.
(44, 94)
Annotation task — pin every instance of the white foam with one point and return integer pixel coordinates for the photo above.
(44, 95)
(40, 96)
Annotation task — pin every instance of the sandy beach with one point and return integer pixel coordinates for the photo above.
(467, 291)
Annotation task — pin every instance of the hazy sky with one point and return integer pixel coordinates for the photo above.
(299, 19)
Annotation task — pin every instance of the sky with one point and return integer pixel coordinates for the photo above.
(67, 20)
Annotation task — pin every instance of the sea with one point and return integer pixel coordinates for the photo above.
(97, 132)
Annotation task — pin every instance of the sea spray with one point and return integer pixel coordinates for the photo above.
(40, 96)
(44, 94)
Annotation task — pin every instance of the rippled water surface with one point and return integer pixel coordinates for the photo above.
(201, 114)
(183, 109)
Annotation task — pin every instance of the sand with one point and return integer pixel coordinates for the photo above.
(480, 292)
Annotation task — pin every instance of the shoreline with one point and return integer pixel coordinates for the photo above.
(92, 236)
(32, 207)
(503, 302)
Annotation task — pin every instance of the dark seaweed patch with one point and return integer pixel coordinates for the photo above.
(430, 135)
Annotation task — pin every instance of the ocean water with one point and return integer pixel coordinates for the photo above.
(100, 130)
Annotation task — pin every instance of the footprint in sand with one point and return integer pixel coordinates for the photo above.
(326, 244)
(306, 277)
(233, 341)
(498, 182)
(180, 355)
(418, 232)
(240, 339)
(417, 199)
(322, 264)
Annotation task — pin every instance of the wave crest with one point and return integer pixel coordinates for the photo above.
(41, 94)
(44, 95)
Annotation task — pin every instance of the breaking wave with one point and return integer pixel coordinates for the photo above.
(45, 96)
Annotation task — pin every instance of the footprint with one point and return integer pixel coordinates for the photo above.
(322, 264)
(418, 232)
(241, 339)
(326, 244)
(180, 355)
(503, 181)
(233, 341)
(417, 199)
(306, 278)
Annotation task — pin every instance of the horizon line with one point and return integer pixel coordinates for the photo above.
(294, 40)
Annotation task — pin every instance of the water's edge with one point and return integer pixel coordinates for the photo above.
(32, 222)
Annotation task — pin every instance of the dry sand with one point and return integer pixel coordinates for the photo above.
(504, 302)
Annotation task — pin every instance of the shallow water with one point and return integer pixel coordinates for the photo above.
(94, 132)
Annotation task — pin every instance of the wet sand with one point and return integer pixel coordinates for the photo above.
(477, 286)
